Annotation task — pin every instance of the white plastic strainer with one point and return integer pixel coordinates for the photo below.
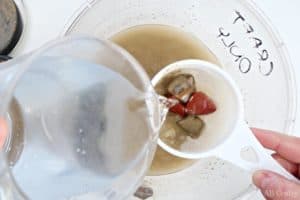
(226, 134)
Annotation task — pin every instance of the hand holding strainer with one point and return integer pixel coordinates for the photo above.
(226, 135)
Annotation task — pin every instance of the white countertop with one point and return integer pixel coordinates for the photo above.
(283, 15)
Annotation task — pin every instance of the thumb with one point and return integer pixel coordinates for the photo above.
(276, 187)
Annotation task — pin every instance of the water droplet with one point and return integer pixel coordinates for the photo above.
(83, 152)
(80, 131)
(78, 150)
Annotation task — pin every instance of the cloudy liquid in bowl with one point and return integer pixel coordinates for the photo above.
(156, 46)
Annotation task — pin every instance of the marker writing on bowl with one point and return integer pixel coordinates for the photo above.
(245, 63)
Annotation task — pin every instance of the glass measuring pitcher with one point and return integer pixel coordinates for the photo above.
(75, 110)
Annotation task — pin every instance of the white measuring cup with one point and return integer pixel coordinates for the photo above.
(226, 134)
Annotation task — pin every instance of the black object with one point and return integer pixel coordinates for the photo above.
(4, 58)
(11, 26)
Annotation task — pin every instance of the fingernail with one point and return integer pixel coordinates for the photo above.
(264, 179)
(258, 177)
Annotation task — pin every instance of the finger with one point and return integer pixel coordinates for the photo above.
(286, 146)
(275, 187)
(3, 131)
(289, 166)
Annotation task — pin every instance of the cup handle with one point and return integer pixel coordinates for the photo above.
(245, 151)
